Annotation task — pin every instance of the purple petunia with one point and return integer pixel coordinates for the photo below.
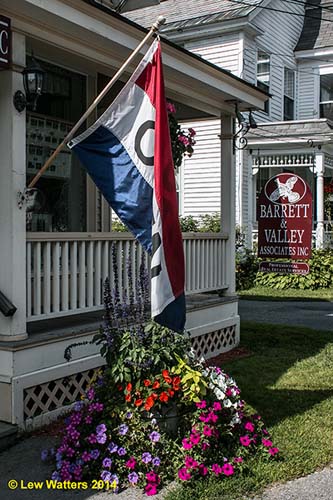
(156, 462)
(100, 429)
(106, 475)
(113, 448)
(121, 452)
(107, 462)
(154, 436)
(94, 454)
(123, 429)
(101, 438)
(133, 477)
(146, 457)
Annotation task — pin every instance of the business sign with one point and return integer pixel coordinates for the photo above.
(284, 267)
(285, 218)
(5, 42)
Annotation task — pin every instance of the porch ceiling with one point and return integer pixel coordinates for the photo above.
(101, 41)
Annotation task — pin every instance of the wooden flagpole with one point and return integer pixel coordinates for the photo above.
(155, 27)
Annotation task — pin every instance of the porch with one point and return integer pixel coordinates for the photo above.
(55, 279)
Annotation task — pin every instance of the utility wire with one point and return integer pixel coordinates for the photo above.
(283, 11)
(309, 4)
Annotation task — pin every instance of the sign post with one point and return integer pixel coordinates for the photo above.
(5, 42)
(285, 223)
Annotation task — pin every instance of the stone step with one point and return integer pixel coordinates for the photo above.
(8, 435)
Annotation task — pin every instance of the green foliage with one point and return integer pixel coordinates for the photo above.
(320, 275)
(188, 224)
(118, 226)
(246, 268)
(210, 223)
(131, 355)
(193, 383)
(207, 223)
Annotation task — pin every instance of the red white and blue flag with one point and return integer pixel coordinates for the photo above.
(127, 153)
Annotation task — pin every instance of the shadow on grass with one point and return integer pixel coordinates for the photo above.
(280, 380)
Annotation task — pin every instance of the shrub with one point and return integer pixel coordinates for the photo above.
(118, 226)
(246, 268)
(210, 223)
(188, 224)
(320, 275)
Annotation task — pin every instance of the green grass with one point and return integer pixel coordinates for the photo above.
(289, 381)
(265, 293)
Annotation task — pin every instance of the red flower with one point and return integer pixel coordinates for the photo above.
(147, 383)
(120, 387)
(128, 397)
(138, 402)
(166, 376)
(154, 396)
(171, 393)
(164, 397)
(156, 384)
(129, 387)
(149, 403)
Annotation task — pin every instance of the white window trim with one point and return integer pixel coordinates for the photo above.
(284, 94)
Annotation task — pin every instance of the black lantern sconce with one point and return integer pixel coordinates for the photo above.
(33, 78)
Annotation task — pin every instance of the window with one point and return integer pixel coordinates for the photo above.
(289, 95)
(326, 96)
(263, 74)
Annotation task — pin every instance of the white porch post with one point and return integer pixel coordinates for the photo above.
(320, 169)
(228, 199)
(13, 173)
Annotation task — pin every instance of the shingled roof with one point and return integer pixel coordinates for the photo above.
(318, 27)
(190, 13)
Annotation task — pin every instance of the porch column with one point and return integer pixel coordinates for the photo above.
(320, 169)
(228, 199)
(13, 180)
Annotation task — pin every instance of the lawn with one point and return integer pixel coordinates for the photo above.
(265, 293)
(288, 380)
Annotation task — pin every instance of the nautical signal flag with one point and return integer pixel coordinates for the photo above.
(127, 153)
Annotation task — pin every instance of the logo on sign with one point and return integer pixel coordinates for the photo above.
(5, 42)
(285, 218)
(292, 190)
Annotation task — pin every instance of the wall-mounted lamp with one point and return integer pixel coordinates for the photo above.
(33, 78)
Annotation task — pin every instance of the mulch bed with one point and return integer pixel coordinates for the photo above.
(237, 353)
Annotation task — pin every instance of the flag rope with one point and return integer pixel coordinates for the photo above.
(155, 27)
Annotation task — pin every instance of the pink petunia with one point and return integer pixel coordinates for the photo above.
(249, 426)
(190, 463)
(245, 440)
(195, 438)
(131, 463)
(151, 489)
(184, 475)
(238, 460)
(207, 430)
(186, 444)
(216, 469)
(202, 404)
(217, 406)
(267, 443)
(228, 469)
(273, 451)
(203, 471)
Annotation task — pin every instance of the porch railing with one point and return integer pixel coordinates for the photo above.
(66, 271)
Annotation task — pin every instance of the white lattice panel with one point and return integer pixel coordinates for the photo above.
(43, 398)
(213, 343)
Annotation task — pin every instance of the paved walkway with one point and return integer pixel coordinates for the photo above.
(316, 315)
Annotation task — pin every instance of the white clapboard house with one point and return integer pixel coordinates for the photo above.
(286, 48)
(54, 261)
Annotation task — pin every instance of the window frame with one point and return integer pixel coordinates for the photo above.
(286, 96)
(262, 85)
